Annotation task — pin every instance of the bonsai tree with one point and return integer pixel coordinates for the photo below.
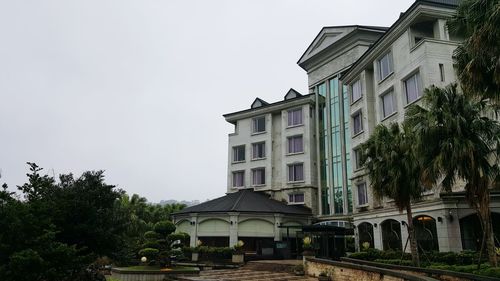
(160, 242)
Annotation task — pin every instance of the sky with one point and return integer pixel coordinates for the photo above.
(138, 88)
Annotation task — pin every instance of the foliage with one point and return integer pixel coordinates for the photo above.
(149, 253)
(164, 228)
(456, 142)
(395, 261)
(375, 254)
(59, 228)
(238, 247)
(210, 253)
(477, 58)
(394, 170)
(307, 243)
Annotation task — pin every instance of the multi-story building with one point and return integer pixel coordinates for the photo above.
(332, 52)
(273, 149)
(415, 53)
(293, 165)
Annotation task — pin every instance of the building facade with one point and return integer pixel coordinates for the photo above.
(302, 153)
(273, 149)
(413, 54)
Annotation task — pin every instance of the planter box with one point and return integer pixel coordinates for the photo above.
(194, 256)
(238, 258)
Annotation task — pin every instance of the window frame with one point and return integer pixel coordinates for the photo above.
(293, 197)
(290, 112)
(357, 159)
(382, 103)
(263, 169)
(255, 125)
(289, 138)
(234, 154)
(234, 173)
(365, 194)
(390, 66)
(418, 87)
(294, 178)
(353, 100)
(263, 143)
(353, 116)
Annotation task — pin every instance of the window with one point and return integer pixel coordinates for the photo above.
(295, 144)
(385, 66)
(411, 88)
(362, 194)
(295, 117)
(441, 72)
(357, 123)
(259, 150)
(239, 153)
(356, 91)
(259, 176)
(259, 124)
(388, 106)
(296, 198)
(238, 179)
(357, 159)
(296, 172)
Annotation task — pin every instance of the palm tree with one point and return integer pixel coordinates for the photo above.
(478, 57)
(456, 143)
(394, 172)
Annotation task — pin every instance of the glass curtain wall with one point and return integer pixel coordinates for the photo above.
(335, 115)
(333, 106)
(323, 141)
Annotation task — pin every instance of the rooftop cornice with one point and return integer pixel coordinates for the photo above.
(419, 8)
(269, 108)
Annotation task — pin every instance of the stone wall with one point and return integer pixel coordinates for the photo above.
(343, 271)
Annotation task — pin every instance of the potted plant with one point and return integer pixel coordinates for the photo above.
(323, 276)
(299, 270)
(195, 255)
(238, 255)
(307, 247)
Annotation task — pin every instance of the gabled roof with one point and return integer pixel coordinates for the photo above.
(402, 17)
(246, 201)
(292, 94)
(258, 103)
(330, 35)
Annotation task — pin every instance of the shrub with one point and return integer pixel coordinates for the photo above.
(149, 253)
(151, 235)
(396, 262)
(491, 272)
(164, 227)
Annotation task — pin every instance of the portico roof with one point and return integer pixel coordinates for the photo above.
(246, 201)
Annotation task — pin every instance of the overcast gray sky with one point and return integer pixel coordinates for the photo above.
(138, 88)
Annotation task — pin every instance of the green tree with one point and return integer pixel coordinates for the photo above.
(477, 58)
(394, 172)
(457, 143)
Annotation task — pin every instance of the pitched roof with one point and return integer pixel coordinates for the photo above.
(258, 102)
(292, 93)
(330, 36)
(248, 201)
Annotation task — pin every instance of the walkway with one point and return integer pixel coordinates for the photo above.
(246, 275)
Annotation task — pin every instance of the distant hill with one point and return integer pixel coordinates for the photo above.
(187, 203)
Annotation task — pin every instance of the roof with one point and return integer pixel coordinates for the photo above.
(333, 35)
(266, 105)
(246, 201)
(437, 3)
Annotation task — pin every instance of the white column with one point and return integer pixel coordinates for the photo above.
(377, 236)
(404, 237)
(233, 229)
(277, 230)
(194, 230)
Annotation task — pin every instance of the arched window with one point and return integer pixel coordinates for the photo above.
(472, 232)
(426, 233)
(365, 234)
(391, 235)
